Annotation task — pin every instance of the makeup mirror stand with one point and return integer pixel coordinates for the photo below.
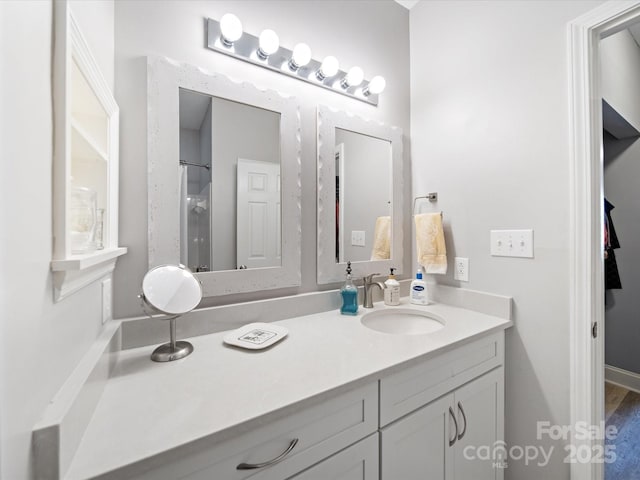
(173, 291)
(174, 350)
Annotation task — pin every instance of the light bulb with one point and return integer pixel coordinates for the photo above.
(329, 68)
(269, 43)
(376, 86)
(301, 56)
(353, 78)
(230, 29)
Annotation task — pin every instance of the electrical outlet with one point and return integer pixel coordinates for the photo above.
(461, 271)
(107, 300)
(357, 238)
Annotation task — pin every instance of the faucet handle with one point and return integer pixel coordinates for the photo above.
(369, 278)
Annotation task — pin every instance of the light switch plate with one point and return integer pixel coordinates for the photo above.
(512, 243)
(357, 238)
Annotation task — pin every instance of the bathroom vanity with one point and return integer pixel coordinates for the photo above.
(335, 399)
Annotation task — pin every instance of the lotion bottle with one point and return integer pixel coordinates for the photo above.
(392, 290)
(349, 293)
(418, 295)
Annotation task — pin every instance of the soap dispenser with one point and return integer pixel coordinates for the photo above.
(418, 294)
(392, 290)
(349, 293)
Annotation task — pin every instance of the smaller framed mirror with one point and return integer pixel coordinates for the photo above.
(359, 195)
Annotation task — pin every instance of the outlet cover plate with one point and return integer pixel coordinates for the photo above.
(107, 301)
(461, 269)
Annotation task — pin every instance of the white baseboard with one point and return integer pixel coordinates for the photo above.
(622, 378)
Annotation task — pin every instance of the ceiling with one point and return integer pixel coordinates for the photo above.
(408, 4)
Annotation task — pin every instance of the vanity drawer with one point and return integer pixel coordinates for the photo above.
(320, 430)
(410, 389)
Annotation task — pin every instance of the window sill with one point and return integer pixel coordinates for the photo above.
(77, 271)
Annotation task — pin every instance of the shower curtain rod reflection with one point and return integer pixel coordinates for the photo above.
(184, 162)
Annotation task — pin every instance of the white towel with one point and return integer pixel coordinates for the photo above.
(382, 239)
(430, 246)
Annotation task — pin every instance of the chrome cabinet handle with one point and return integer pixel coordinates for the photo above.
(279, 458)
(455, 422)
(464, 417)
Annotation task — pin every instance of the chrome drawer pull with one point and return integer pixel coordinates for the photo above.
(455, 422)
(279, 458)
(464, 417)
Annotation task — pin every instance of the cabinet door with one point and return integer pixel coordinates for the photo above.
(479, 407)
(417, 447)
(358, 462)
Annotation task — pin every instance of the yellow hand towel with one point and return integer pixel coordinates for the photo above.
(382, 239)
(432, 253)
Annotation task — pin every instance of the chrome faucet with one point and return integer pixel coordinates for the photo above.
(368, 284)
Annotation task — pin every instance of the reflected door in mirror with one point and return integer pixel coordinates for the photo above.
(229, 211)
(363, 197)
(258, 224)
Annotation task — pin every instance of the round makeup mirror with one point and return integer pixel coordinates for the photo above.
(171, 290)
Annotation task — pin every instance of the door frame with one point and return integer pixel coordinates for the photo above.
(586, 220)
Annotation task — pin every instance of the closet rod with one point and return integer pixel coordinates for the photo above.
(184, 162)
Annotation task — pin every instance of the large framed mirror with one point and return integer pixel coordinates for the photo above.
(224, 179)
(359, 195)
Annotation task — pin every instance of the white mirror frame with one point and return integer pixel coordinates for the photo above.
(330, 271)
(164, 79)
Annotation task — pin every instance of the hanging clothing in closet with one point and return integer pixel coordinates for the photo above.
(611, 275)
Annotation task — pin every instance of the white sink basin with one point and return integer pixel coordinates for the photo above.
(402, 321)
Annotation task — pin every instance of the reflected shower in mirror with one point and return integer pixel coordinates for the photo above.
(230, 205)
(363, 197)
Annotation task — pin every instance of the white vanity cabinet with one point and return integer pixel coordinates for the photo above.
(286, 448)
(271, 418)
(435, 438)
(358, 462)
(442, 436)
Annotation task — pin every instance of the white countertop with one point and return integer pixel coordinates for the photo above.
(219, 391)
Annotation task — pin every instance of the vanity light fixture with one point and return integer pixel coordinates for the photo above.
(376, 86)
(226, 36)
(329, 67)
(301, 56)
(268, 44)
(230, 29)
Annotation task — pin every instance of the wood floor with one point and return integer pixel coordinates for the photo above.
(622, 409)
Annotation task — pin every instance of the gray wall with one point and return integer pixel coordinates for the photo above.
(620, 70)
(490, 133)
(40, 342)
(620, 74)
(357, 33)
(367, 171)
(622, 171)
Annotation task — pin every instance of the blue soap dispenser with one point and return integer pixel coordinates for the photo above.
(349, 293)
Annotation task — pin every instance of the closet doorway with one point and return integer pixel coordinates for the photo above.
(620, 88)
(587, 213)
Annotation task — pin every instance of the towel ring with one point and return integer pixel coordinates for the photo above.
(432, 197)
